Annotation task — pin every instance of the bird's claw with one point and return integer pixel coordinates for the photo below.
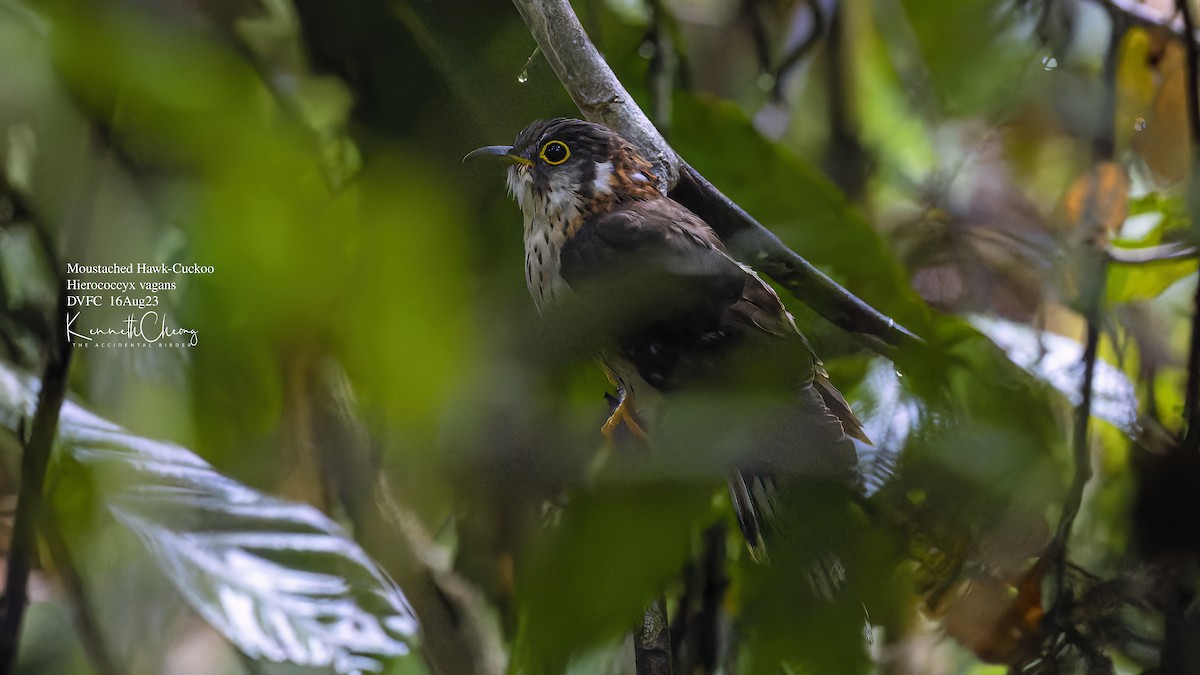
(622, 413)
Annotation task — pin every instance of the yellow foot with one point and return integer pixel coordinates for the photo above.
(623, 413)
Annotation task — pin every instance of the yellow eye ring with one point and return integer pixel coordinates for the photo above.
(555, 153)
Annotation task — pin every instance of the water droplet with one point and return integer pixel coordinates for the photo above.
(523, 76)
(1139, 124)
(1049, 62)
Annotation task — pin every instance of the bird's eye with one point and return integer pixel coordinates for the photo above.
(555, 152)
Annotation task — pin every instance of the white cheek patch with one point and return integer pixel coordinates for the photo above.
(520, 185)
(601, 184)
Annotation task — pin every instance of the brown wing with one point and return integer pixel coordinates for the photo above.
(697, 304)
(710, 304)
(697, 310)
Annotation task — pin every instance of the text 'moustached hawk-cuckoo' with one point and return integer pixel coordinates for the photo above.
(597, 226)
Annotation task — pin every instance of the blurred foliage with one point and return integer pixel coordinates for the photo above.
(281, 581)
(961, 165)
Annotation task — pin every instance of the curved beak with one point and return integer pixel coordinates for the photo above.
(504, 152)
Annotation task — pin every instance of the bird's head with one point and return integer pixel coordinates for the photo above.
(568, 163)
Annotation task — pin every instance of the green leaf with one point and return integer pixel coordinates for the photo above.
(890, 125)
(1153, 218)
(1056, 360)
(971, 52)
(791, 197)
(1130, 283)
(280, 580)
(591, 577)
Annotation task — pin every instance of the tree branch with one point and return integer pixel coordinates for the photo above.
(652, 641)
(758, 245)
(602, 98)
(597, 92)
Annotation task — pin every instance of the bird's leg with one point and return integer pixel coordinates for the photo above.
(622, 413)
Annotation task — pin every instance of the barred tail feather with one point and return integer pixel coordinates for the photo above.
(753, 504)
(836, 403)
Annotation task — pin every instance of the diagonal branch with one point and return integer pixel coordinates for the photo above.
(602, 98)
(751, 241)
(597, 92)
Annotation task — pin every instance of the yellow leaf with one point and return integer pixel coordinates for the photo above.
(1136, 85)
(1164, 141)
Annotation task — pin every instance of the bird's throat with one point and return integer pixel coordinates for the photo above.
(544, 239)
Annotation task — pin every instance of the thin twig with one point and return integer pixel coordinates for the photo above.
(1192, 392)
(758, 32)
(602, 98)
(1093, 281)
(797, 53)
(1079, 439)
(34, 461)
(660, 75)
(1093, 275)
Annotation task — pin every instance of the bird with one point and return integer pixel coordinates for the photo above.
(597, 225)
